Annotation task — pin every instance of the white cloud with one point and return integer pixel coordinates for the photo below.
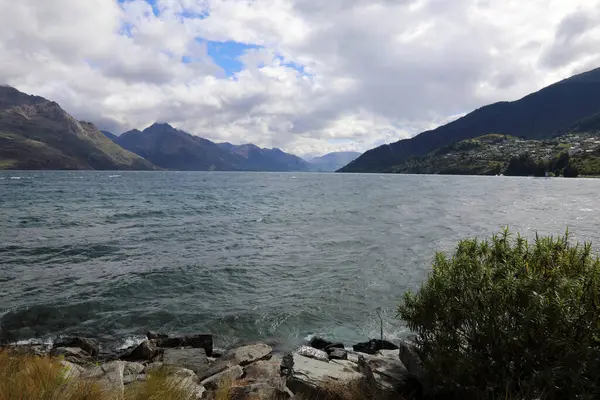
(373, 71)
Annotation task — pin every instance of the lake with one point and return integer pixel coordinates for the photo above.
(247, 256)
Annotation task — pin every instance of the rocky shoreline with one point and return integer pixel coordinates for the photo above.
(391, 370)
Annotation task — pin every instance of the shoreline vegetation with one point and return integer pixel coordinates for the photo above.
(503, 318)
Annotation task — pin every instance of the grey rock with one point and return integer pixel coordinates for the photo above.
(310, 375)
(72, 354)
(151, 335)
(258, 391)
(266, 372)
(410, 358)
(190, 358)
(374, 345)
(338, 354)
(88, 345)
(230, 374)
(109, 376)
(241, 356)
(145, 351)
(197, 341)
(71, 371)
(133, 368)
(311, 352)
(391, 376)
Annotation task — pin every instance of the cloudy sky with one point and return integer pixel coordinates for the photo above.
(308, 76)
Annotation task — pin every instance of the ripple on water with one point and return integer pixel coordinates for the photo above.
(246, 256)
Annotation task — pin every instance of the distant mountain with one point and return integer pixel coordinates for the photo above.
(171, 148)
(109, 135)
(333, 161)
(543, 114)
(260, 159)
(36, 133)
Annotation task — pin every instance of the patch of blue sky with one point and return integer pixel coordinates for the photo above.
(227, 54)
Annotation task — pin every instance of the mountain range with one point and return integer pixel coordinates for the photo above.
(552, 111)
(36, 133)
(333, 161)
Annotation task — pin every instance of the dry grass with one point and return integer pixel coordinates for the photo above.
(161, 385)
(28, 377)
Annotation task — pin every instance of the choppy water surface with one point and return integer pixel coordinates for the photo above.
(247, 256)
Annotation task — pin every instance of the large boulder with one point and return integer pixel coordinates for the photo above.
(190, 358)
(310, 376)
(240, 356)
(88, 345)
(109, 376)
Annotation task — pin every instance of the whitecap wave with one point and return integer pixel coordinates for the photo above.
(114, 176)
(130, 342)
(16, 178)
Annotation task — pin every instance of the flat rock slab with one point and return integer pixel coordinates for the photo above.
(194, 359)
(231, 374)
(310, 375)
(241, 356)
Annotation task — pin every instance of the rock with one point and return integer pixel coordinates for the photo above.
(151, 335)
(133, 368)
(241, 356)
(230, 374)
(252, 391)
(265, 372)
(109, 376)
(311, 352)
(72, 354)
(145, 351)
(71, 371)
(190, 358)
(88, 345)
(410, 358)
(129, 379)
(334, 346)
(374, 345)
(310, 376)
(338, 354)
(391, 375)
(196, 341)
(319, 343)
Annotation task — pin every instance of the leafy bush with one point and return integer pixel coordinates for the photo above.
(510, 319)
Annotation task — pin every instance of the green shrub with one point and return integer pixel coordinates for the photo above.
(510, 319)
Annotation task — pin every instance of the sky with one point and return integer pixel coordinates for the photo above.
(307, 76)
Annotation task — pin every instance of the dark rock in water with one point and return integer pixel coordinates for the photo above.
(338, 354)
(153, 335)
(193, 359)
(197, 341)
(145, 351)
(374, 345)
(334, 346)
(88, 345)
(319, 343)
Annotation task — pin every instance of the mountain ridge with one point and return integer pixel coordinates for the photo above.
(36, 133)
(538, 115)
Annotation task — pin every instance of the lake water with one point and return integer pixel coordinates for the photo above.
(247, 256)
